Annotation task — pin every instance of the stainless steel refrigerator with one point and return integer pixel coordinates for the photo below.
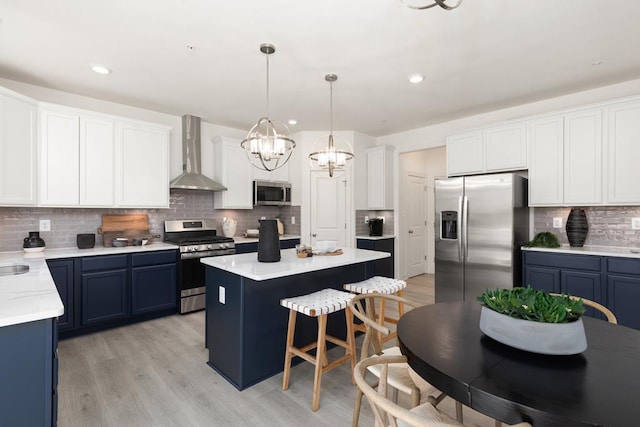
(481, 222)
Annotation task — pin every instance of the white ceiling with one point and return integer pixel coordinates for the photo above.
(482, 56)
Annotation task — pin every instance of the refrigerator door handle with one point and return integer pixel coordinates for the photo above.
(461, 231)
(465, 227)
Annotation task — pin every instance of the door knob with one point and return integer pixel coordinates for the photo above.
(314, 235)
(410, 231)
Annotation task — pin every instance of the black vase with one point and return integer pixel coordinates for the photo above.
(268, 241)
(577, 227)
(33, 241)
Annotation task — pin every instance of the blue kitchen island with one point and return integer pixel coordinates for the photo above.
(246, 327)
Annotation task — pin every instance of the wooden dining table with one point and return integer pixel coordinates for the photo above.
(599, 387)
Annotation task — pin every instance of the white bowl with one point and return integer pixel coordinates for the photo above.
(40, 249)
(326, 245)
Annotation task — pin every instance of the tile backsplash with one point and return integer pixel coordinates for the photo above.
(15, 223)
(608, 225)
(362, 229)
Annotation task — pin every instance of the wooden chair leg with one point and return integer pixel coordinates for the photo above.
(320, 357)
(288, 355)
(356, 408)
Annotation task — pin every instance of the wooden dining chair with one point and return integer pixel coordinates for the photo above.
(611, 318)
(400, 377)
(389, 413)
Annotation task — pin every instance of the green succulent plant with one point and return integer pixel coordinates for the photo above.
(544, 239)
(532, 304)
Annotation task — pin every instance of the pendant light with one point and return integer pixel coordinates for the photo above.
(332, 153)
(420, 4)
(268, 147)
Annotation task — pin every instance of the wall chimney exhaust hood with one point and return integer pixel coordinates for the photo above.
(192, 177)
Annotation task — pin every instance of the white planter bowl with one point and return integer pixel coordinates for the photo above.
(536, 337)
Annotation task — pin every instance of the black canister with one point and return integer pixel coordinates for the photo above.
(577, 227)
(33, 241)
(268, 241)
(85, 240)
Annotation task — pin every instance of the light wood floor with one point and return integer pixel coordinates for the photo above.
(155, 374)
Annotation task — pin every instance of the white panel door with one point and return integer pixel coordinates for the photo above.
(17, 151)
(328, 208)
(59, 159)
(583, 158)
(142, 165)
(97, 146)
(416, 218)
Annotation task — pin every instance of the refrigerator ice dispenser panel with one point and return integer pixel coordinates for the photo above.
(449, 229)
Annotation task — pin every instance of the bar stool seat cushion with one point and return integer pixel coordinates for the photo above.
(326, 301)
(379, 284)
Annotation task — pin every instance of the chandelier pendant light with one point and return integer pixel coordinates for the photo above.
(337, 155)
(268, 147)
(419, 4)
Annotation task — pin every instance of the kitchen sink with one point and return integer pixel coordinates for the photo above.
(10, 269)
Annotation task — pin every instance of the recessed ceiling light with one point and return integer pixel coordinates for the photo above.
(416, 78)
(100, 69)
(292, 122)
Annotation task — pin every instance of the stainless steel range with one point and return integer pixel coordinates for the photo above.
(197, 239)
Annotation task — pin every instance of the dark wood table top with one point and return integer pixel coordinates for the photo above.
(600, 387)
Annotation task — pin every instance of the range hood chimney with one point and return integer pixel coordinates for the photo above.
(192, 177)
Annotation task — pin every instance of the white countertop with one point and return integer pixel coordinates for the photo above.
(384, 236)
(240, 240)
(247, 265)
(591, 250)
(33, 295)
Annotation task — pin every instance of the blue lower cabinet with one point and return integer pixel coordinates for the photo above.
(105, 296)
(62, 272)
(382, 267)
(611, 281)
(153, 288)
(28, 377)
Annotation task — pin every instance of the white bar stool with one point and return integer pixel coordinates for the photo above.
(381, 285)
(318, 304)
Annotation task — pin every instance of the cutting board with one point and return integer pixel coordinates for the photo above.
(124, 222)
(130, 226)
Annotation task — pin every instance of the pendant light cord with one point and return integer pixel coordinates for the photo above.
(267, 85)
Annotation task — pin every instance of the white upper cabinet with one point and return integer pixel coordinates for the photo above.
(380, 178)
(142, 164)
(96, 161)
(583, 157)
(623, 153)
(18, 154)
(565, 160)
(59, 183)
(92, 160)
(76, 158)
(546, 161)
(493, 149)
(233, 170)
(465, 154)
(505, 147)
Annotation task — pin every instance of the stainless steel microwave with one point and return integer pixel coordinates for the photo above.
(271, 193)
